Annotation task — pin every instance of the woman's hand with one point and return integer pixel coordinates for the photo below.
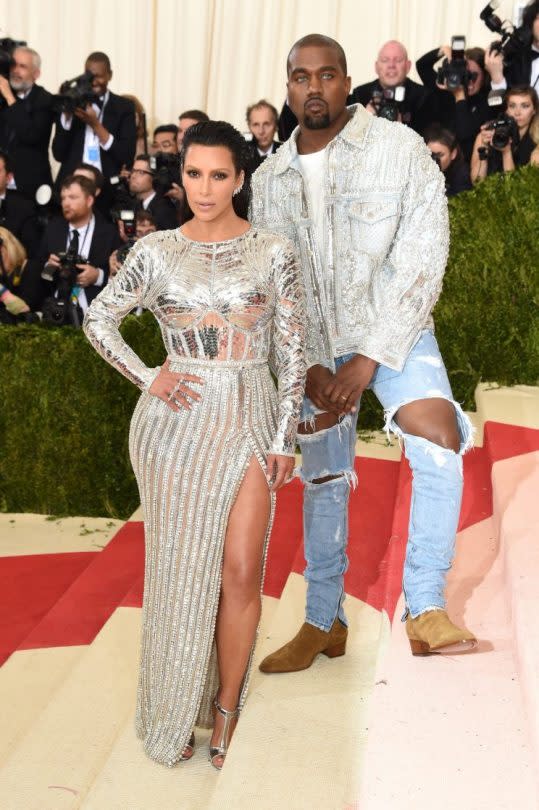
(170, 387)
(279, 471)
(486, 135)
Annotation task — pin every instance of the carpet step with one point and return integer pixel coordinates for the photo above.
(301, 735)
(27, 682)
(79, 614)
(473, 711)
(53, 765)
(128, 779)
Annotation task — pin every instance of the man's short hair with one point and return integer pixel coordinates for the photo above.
(144, 216)
(321, 41)
(78, 179)
(36, 58)
(99, 56)
(172, 128)
(145, 157)
(529, 14)
(8, 161)
(99, 178)
(196, 115)
(260, 105)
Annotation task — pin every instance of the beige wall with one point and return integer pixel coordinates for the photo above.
(220, 55)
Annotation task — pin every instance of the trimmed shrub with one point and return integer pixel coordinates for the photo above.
(65, 413)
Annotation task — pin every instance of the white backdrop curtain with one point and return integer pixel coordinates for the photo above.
(220, 55)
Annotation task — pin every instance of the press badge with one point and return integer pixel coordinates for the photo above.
(92, 154)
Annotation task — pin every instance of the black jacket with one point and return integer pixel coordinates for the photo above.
(18, 215)
(25, 131)
(518, 70)
(118, 119)
(163, 211)
(255, 159)
(104, 242)
(413, 108)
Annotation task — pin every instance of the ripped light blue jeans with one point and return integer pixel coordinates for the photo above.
(436, 490)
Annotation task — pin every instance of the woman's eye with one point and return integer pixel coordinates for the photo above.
(220, 176)
(192, 173)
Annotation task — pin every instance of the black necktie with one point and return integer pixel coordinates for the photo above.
(74, 244)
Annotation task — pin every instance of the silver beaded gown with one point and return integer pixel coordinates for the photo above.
(226, 310)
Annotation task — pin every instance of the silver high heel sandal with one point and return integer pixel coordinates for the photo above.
(189, 749)
(221, 749)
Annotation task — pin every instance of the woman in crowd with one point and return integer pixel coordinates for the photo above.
(446, 151)
(211, 440)
(522, 105)
(21, 289)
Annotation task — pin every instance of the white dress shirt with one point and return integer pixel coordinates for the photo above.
(91, 153)
(86, 234)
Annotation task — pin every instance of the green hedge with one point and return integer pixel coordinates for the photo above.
(65, 413)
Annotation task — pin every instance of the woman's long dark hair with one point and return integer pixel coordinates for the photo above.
(220, 133)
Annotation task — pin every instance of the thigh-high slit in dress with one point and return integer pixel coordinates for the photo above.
(226, 311)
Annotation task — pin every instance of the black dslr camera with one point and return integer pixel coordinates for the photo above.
(387, 102)
(62, 309)
(166, 171)
(513, 40)
(454, 72)
(75, 93)
(505, 129)
(130, 230)
(7, 46)
(122, 199)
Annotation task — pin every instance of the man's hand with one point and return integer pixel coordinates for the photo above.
(6, 92)
(175, 193)
(88, 276)
(494, 65)
(54, 260)
(318, 378)
(88, 115)
(348, 384)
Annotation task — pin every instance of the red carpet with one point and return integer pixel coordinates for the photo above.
(64, 599)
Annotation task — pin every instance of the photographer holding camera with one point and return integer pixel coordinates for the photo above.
(102, 132)
(514, 59)
(506, 143)
(392, 67)
(460, 90)
(21, 288)
(144, 183)
(75, 253)
(26, 118)
(445, 150)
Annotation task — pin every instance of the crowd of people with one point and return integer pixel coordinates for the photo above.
(61, 251)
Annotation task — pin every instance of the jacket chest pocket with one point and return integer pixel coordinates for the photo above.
(373, 224)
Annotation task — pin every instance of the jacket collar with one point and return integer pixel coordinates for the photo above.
(353, 133)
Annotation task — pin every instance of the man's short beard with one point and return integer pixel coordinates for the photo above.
(320, 122)
(20, 86)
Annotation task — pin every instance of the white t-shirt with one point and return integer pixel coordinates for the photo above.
(312, 168)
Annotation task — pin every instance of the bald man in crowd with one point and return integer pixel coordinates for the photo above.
(392, 67)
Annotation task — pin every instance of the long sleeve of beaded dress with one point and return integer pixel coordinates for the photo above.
(224, 309)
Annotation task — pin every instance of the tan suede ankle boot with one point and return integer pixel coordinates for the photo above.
(305, 646)
(434, 632)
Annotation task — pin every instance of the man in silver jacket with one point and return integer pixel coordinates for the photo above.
(365, 206)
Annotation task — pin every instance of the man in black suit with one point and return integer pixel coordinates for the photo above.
(104, 134)
(392, 67)
(162, 209)
(26, 119)
(80, 231)
(262, 120)
(17, 213)
(523, 67)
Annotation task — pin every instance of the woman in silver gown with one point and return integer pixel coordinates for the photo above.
(211, 438)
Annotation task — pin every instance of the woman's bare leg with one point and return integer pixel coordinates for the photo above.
(240, 602)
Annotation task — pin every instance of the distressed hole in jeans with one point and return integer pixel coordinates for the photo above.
(317, 423)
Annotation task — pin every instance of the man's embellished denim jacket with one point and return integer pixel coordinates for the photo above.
(386, 238)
